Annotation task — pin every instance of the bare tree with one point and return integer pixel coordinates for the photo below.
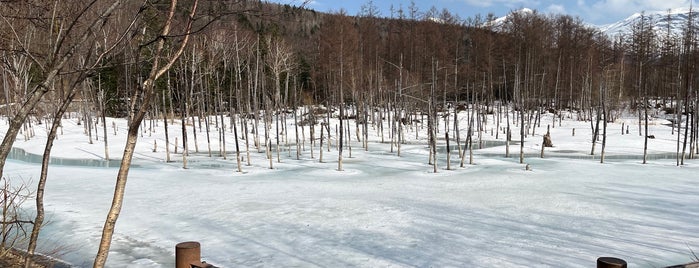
(39, 218)
(64, 49)
(13, 224)
(144, 94)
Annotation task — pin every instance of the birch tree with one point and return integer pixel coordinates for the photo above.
(144, 96)
(74, 32)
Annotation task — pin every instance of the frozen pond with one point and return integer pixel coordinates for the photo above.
(382, 210)
(22, 155)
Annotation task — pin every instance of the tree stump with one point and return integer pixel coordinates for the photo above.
(547, 140)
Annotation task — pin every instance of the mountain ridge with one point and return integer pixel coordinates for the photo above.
(674, 20)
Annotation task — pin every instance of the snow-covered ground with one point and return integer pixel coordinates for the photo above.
(383, 210)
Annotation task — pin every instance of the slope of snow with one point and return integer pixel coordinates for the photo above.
(498, 23)
(383, 210)
(674, 19)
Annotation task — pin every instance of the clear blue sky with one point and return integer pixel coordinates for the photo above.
(591, 11)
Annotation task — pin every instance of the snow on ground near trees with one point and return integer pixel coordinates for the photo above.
(382, 210)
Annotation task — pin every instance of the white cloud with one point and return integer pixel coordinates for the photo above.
(556, 9)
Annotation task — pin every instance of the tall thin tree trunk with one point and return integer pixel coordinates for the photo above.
(41, 186)
(135, 118)
(104, 117)
(235, 138)
(320, 147)
(183, 119)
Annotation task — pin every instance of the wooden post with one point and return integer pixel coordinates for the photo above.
(187, 253)
(610, 262)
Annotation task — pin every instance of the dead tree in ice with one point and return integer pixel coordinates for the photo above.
(102, 103)
(167, 94)
(603, 101)
(643, 37)
(237, 146)
(688, 69)
(432, 110)
(519, 92)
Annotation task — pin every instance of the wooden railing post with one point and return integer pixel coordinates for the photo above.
(610, 262)
(187, 253)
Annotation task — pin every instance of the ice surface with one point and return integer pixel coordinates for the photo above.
(382, 210)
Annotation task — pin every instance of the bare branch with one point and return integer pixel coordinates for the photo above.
(120, 39)
(21, 44)
(174, 58)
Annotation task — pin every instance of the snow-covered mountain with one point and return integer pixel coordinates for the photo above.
(499, 22)
(675, 19)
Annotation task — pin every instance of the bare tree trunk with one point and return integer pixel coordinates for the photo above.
(366, 127)
(508, 132)
(470, 134)
(678, 111)
(87, 120)
(39, 218)
(8, 99)
(327, 127)
(183, 118)
(296, 125)
(268, 128)
(595, 132)
(185, 143)
(693, 148)
(521, 137)
(104, 117)
(208, 131)
(190, 103)
(603, 96)
(256, 105)
(136, 117)
(167, 134)
(224, 153)
(446, 136)
(686, 130)
(277, 135)
(348, 140)
(458, 132)
(341, 136)
(237, 146)
(320, 148)
(247, 143)
(645, 111)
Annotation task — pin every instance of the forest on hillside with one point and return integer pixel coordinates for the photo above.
(244, 51)
(202, 60)
(255, 59)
